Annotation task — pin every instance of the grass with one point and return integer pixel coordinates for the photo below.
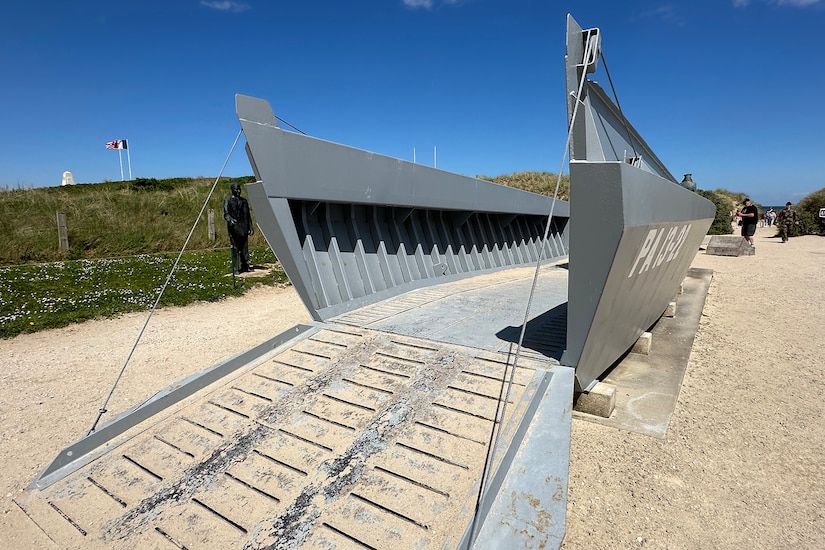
(543, 183)
(142, 216)
(51, 295)
(112, 219)
(123, 240)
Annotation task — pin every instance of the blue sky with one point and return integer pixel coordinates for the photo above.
(728, 90)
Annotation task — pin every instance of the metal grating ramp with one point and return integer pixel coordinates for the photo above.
(349, 438)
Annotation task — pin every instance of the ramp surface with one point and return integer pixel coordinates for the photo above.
(348, 437)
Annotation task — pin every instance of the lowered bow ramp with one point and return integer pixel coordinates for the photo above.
(346, 437)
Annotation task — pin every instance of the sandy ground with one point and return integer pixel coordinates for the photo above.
(741, 465)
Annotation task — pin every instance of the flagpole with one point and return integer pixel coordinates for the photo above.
(120, 158)
(129, 158)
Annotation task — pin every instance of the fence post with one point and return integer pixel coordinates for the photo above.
(62, 232)
(211, 218)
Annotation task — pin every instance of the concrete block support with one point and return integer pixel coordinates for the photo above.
(599, 401)
(671, 310)
(729, 245)
(642, 345)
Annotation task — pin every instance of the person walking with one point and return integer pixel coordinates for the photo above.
(749, 216)
(786, 221)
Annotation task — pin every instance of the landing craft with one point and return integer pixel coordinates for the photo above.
(418, 410)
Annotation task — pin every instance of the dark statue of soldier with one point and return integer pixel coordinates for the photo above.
(239, 227)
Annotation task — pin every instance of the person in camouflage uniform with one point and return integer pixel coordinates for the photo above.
(786, 221)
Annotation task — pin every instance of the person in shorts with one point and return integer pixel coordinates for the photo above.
(749, 215)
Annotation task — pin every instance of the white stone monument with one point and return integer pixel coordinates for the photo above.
(68, 179)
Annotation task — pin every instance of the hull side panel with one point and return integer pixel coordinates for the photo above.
(306, 168)
(631, 280)
(352, 227)
(281, 236)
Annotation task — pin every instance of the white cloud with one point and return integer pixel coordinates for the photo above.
(226, 5)
(797, 3)
(662, 12)
(428, 4)
(666, 13)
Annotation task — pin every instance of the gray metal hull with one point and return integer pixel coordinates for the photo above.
(352, 227)
(641, 234)
(633, 230)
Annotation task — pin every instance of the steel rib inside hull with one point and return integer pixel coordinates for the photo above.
(353, 227)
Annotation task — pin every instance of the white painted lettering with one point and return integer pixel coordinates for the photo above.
(644, 250)
(680, 241)
(650, 257)
(660, 246)
(667, 246)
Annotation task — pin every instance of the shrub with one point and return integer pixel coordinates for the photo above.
(721, 223)
(808, 210)
(808, 223)
(151, 184)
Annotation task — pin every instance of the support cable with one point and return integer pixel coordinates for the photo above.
(619, 105)
(102, 409)
(290, 125)
(501, 407)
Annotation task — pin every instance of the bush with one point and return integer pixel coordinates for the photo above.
(808, 224)
(808, 210)
(151, 184)
(721, 223)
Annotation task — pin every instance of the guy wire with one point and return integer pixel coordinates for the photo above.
(102, 409)
(501, 407)
(290, 125)
(619, 105)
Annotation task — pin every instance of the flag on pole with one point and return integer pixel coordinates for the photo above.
(118, 144)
